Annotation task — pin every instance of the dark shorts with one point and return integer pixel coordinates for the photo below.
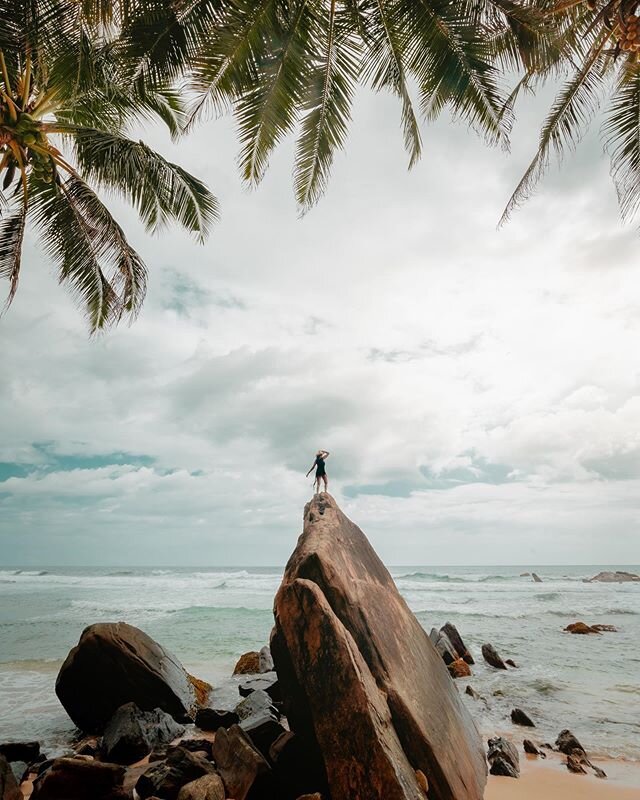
(320, 474)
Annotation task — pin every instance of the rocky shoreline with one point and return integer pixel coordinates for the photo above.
(351, 699)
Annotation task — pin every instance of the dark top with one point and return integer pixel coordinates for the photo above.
(319, 465)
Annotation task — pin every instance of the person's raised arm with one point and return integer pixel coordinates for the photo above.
(325, 454)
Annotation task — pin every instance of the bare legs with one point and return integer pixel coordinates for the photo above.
(316, 485)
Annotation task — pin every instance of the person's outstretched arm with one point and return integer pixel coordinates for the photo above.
(310, 470)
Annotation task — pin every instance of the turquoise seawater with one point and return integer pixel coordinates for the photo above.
(208, 617)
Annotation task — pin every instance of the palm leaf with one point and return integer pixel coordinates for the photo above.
(621, 131)
(328, 107)
(573, 109)
(11, 237)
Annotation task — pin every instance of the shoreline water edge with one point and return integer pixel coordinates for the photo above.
(587, 683)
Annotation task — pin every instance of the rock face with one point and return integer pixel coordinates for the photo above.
(244, 771)
(209, 787)
(132, 734)
(449, 644)
(8, 786)
(359, 676)
(114, 664)
(615, 577)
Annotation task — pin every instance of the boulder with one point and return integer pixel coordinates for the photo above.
(263, 729)
(578, 762)
(20, 751)
(255, 703)
(615, 577)
(530, 748)
(165, 778)
(268, 682)
(459, 669)
(80, 779)
(503, 758)
(265, 662)
(248, 663)
(490, 655)
(444, 647)
(359, 674)
(536, 578)
(519, 717)
(244, 771)
(210, 719)
(131, 734)
(114, 664)
(8, 785)
(451, 632)
(201, 688)
(567, 743)
(581, 628)
(209, 787)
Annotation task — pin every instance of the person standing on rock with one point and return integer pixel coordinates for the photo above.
(321, 471)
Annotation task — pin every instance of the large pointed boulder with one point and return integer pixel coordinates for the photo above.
(114, 664)
(362, 683)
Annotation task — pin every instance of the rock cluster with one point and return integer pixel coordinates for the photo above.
(614, 577)
(453, 650)
(503, 758)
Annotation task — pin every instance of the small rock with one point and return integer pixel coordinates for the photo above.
(511, 663)
(472, 692)
(196, 746)
(165, 778)
(209, 787)
(518, 717)
(90, 746)
(490, 655)
(210, 719)
(268, 682)
(605, 628)
(248, 664)
(8, 784)
(459, 669)
(265, 662)
(536, 578)
(580, 627)
(131, 734)
(20, 751)
(263, 729)
(566, 743)
(460, 648)
(241, 766)
(529, 747)
(575, 763)
(503, 758)
(257, 702)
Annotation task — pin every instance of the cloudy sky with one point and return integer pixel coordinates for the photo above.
(478, 389)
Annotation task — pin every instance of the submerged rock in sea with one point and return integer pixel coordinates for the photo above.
(8, 785)
(491, 656)
(580, 627)
(503, 758)
(115, 663)
(615, 577)
(131, 734)
(567, 742)
(459, 669)
(359, 676)
(519, 717)
(449, 644)
(536, 578)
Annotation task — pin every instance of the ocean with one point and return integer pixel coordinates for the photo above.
(209, 617)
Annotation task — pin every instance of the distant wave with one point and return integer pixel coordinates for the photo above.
(120, 574)
(432, 576)
(30, 572)
(546, 596)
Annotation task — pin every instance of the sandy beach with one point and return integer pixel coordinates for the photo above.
(550, 780)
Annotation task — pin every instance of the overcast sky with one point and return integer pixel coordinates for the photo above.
(478, 389)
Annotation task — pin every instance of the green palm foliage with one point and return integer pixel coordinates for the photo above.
(68, 95)
(599, 61)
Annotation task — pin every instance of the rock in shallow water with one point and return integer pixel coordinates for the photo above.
(114, 664)
(490, 655)
(248, 663)
(360, 677)
(519, 717)
(503, 758)
(615, 577)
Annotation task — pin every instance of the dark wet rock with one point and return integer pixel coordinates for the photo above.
(314, 796)
(581, 628)
(443, 645)
(525, 574)
(295, 769)
(89, 746)
(459, 669)
(197, 746)
(360, 676)
(263, 729)
(265, 662)
(503, 758)
(566, 742)
(257, 702)
(114, 664)
(80, 779)
(209, 787)
(460, 648)
(266, 683)
(244, 771)
(248, 664)
(575, 763)
(536, 578)
(490, 655)
(165, 778)
(615, 577)
(8, 785)
(605, 628)
(131, 734)
(519, 717)
(210, 719)
(511, 663)
(529, 747)
(472, 692)
(20, 751)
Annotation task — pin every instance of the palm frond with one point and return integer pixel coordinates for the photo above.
(572, 110)
(621, 132)
(11, 237)
(328, 107)
(160, 190)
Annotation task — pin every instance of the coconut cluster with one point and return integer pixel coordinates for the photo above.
(628, 33)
